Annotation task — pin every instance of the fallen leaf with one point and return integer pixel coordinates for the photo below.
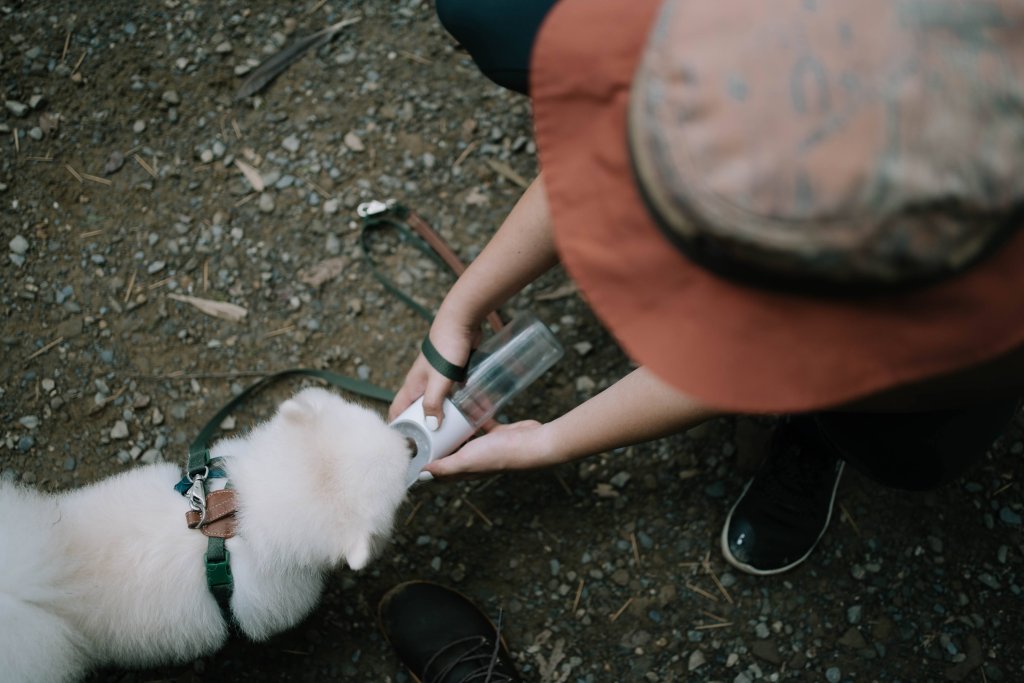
(218, 309)
(251, 174)
(320, 273)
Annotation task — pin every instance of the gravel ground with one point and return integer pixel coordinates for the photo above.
(119, 186)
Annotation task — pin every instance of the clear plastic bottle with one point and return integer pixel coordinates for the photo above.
(500, 368)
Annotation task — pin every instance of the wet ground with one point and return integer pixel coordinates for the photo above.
(120, 190)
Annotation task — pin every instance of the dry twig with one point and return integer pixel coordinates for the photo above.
(97, 179)
(145, 165)
(622, 609)
(479, 513)
(128, 290)
(849, 518)
(636, 549)
(714, 577)
(44, 349)
(700, 591)
(576, 600)
(279, 331)
(465, 153)
(412, 514)
(707, 627)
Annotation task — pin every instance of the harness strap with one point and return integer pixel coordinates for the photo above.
(218, 574)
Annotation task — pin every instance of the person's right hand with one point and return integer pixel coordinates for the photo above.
(454, 342)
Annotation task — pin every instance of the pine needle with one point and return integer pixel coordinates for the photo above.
(274, 66)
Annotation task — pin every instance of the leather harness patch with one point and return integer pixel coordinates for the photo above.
(220, 515)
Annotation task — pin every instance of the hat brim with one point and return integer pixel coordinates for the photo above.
(734, 347)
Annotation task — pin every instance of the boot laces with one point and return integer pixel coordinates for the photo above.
(480, 653)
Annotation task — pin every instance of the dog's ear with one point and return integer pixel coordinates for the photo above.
(299, 408)
(359, 553)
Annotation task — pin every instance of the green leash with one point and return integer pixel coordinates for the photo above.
(376, 216)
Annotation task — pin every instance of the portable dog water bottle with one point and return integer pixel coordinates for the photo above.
(503, 365)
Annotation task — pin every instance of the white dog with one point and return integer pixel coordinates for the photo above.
(111, 575)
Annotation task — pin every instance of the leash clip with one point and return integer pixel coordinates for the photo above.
(374, 207)
(196, 493)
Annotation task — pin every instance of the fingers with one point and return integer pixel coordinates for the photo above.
(507, 447)
(433, 399)
(411, 389)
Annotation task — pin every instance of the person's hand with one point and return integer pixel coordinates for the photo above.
(454, 342)
(517, 446)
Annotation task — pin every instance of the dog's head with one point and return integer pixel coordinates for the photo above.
(321, 481)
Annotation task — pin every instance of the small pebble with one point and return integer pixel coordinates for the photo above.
(354, 142)
(266, 203)
(19, 109)
(291, 143)
(119, 430)
(833, 674)
(18, 245)
(1008, 516)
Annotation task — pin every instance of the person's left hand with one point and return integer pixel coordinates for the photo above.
(517, 446)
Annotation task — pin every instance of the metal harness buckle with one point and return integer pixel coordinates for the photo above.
(196, 493)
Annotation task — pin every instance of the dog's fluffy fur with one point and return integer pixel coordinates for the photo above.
(110, 574)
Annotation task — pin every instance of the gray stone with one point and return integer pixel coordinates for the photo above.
(18, 245)
(19, 109)
(833, 674)
(291, 143)
(266, 203)
(695, 661)
(119, 430)
(1008, 516)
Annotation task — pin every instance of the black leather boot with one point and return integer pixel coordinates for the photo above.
(442, 637)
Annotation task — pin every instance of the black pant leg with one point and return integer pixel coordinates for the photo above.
(498, 34)
(916, 451)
